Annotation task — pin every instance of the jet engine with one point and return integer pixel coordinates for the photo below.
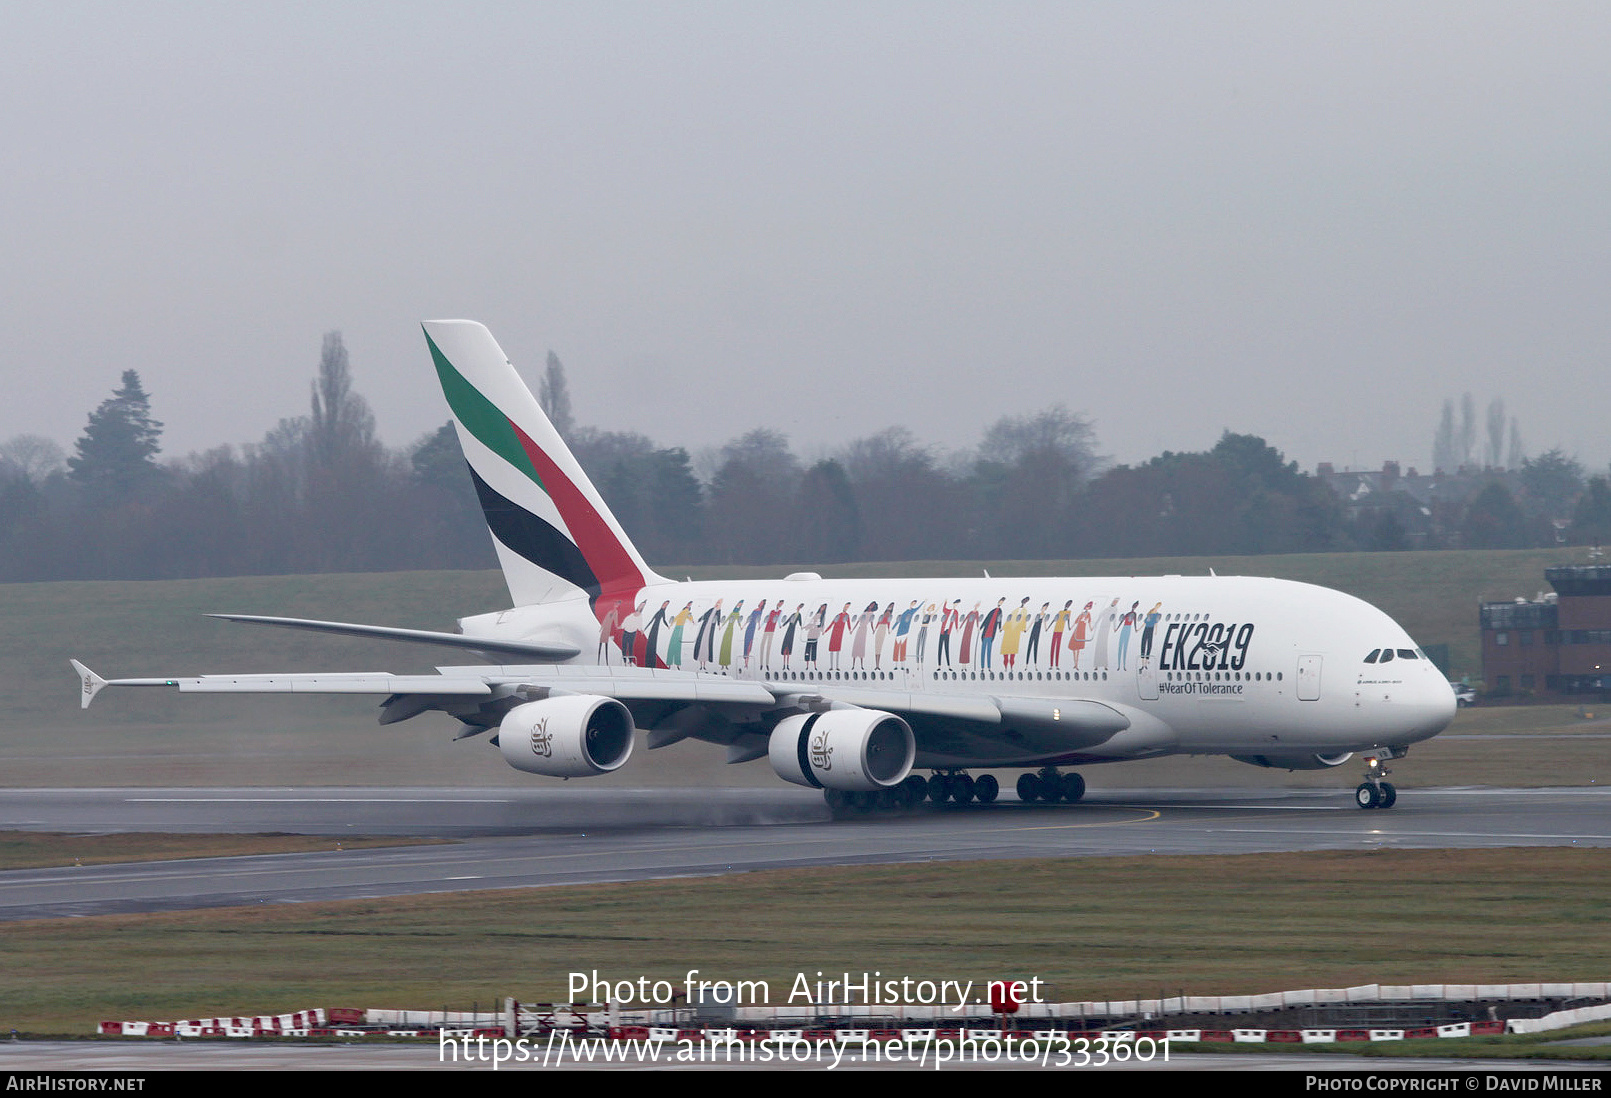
(1295, 762)
(570, 736)
(854, 750)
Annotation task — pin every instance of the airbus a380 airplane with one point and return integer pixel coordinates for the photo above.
(850, 685)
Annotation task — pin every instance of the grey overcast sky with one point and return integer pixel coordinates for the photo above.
(1312, 222)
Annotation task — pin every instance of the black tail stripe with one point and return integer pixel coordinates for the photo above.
(533, 538)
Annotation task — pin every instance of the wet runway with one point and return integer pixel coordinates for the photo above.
(541, 837)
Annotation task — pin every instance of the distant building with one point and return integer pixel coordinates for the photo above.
(1427, 507)
(1556, 645)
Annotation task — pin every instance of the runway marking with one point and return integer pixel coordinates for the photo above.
(318, 800)
(1152, 814)
(1492, 835)
(1251, 807)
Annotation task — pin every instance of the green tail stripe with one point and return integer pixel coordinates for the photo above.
(481, 417)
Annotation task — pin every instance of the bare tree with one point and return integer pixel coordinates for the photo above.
(555, 397)
(1494, 458)
(1468, 429)
(32, 456)
(342, 426)
(1445, 452)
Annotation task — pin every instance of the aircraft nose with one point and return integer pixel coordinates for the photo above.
(1431, 709)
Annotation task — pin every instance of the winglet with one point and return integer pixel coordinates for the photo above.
(92, 684)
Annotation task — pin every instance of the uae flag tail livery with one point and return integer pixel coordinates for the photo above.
(555, 537)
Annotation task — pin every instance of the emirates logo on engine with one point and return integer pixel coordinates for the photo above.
(542, 741)
(821, 753)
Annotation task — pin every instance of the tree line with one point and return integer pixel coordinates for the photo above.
(321, 493)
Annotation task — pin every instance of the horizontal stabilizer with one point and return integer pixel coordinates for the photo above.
(91, 683)
(529, 650)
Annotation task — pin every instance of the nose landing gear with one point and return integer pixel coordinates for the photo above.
(1373, 792)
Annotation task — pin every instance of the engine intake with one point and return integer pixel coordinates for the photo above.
(855, 750)
(572, 736)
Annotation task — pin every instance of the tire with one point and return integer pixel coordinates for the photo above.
(1028, 788)
(1389, 795)
(916, 788)
(939, 788)
(1073, 788)
(986, 789)
(961, 788)
(1366, 796)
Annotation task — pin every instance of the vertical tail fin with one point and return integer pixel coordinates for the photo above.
(551, 529)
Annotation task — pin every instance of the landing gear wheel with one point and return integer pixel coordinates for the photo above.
(1028, 788)
(1073, 787)
(961, 788)
(986, 789)
(915, 788)
(1367, 796)
(939, 788)
(1389, 795)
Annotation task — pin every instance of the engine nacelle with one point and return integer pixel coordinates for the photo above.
(571, 736)
(1295, 762)
(854, 750)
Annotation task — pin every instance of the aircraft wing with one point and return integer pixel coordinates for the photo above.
(355, 682)
(949, 729)
(958, 730)
(531, 650)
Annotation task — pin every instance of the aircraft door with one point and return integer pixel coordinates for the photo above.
(1147, 682)
(1308, 678)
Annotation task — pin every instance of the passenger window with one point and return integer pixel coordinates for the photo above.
(1374, 652)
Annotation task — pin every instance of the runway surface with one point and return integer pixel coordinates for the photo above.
(543, 837)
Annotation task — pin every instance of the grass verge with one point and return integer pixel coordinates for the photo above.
(1100, 928)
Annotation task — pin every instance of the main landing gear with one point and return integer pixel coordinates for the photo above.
(955, 787)
(951, 786)
(958, 787)
(1373, 792)
(1050, 786)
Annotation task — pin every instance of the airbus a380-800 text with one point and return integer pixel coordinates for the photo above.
(849, 686)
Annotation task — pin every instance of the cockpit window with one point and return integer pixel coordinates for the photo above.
(1387, 654)
(1374, 652)
(1406, 653)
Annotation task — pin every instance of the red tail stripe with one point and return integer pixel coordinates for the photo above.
(605, 554)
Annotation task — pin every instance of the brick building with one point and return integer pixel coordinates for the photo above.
(1558, 645)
